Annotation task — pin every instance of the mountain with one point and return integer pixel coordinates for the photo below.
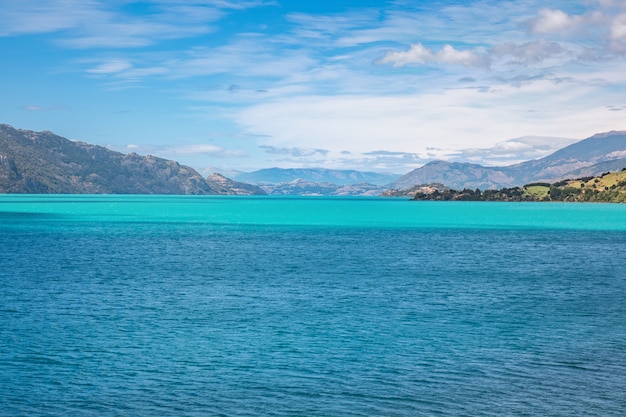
(317, 175)
(455, 175)
(586, 154)
(44, 163)
(606, 166)
(309, 188)
(592, 156)
(227, 186)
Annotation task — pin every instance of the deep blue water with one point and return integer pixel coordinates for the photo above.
(173, 306)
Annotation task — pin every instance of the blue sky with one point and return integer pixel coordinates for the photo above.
(384, 86)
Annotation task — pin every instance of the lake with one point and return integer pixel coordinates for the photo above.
(291, 306)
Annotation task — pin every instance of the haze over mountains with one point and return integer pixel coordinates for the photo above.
(318, 181)
(42, 162)
(334, 176)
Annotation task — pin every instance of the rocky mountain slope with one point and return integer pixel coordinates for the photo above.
(455, 175)
(44, 163)
(592, 156)
(228, 186)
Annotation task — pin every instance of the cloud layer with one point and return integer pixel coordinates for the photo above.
(389, 84)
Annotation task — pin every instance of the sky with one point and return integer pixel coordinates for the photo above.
(374, 85)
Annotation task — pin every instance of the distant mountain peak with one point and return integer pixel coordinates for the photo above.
(609, 134)
(217, 177)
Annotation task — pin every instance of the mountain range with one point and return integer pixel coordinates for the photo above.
(310, 188)
(317, 175)
(44, 163)
(592, 156)
(317, 181)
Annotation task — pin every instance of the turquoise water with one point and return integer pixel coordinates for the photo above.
(311, 211)
(247, 306)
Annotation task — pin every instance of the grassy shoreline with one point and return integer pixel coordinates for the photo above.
(609, 187)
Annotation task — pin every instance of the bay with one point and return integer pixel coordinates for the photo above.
(245, 306)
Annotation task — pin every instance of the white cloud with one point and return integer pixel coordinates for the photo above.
(550, 21)
(419, 54)
(131, 33)
(448, 119)
(600, 34)
(224, 4)
(527, 53)
(295, 152)
(450, 55)
(41, 16)
(514, 150)
(205, 149)
(618, 27)
(100, 24)
(322, 26)
(37, 108)
(111, 67)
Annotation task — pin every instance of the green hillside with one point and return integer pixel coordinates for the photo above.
(609, 187)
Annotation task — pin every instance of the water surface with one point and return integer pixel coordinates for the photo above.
(237, 306)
